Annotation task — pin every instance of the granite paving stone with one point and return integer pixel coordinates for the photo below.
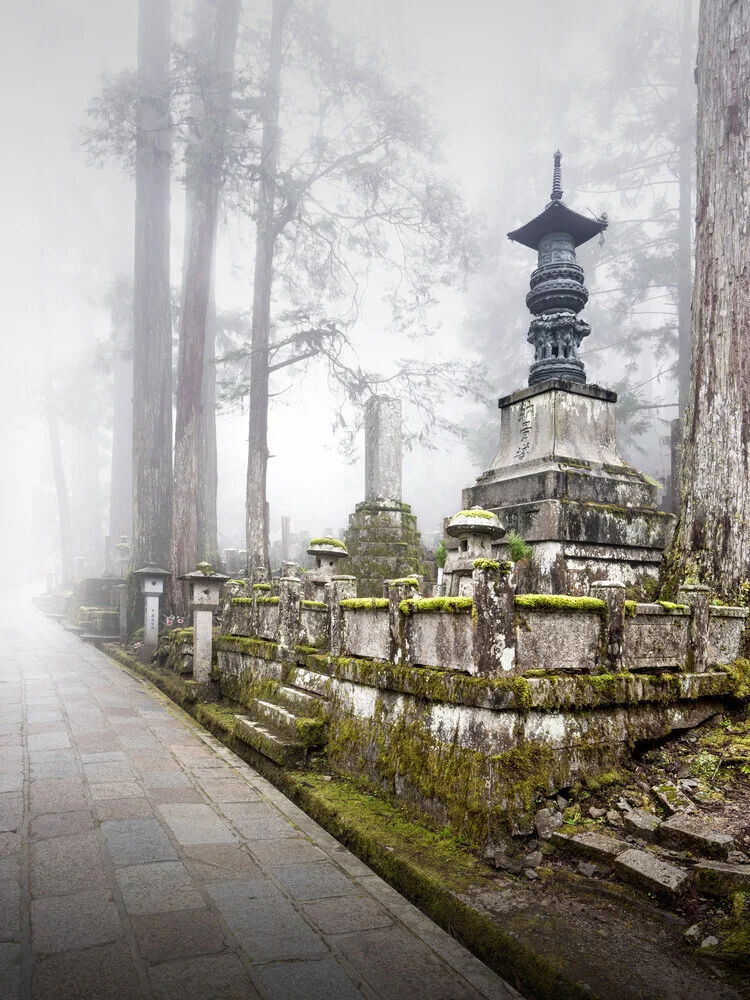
(104, 973)
(205, 978)
(10, 971)
(322, 980)
(159, 866)
(164, 937)
(315, 881)
(345, 914)
(66, 864)
(60, 824)
(158, 888)
(137, 842)
(196, 823)
(67, 923)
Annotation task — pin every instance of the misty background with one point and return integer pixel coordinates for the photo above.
(508, 84)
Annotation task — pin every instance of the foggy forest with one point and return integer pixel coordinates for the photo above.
(376, 500)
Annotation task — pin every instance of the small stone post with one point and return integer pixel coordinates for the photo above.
(494, 618)
(122, 603)
(397, 591)
(290, 595)
(232, 561)
(152, 587)
(205, 588)
(338, 589)
(697, 597)
(613, 595)
(289, 568)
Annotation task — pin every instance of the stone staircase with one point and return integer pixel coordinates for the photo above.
(290, 723)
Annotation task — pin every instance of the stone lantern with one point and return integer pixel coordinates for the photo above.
(476, 530)
(122, 558)
(205, 587)
(152, 587)
(328, 553)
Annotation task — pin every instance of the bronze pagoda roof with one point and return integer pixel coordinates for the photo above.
(558, 218)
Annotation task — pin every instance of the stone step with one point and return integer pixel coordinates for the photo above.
(714, 878)
(682, 833)
(641, 824)
(301, 729)
(301, 702)
(272, 745)
(591, 846)
(648, 873)
(310, 681)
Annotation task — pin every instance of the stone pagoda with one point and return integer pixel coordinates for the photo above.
(382, 539)
(558, 479)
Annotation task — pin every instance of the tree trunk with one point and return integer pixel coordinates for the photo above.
(202, 198)
(712, 539)
(61, 488)
(152, 325)
(685, 223)
(208, 526)
(121, 480)
(257, 461)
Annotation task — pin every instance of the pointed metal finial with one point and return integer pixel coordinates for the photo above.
(557, 191)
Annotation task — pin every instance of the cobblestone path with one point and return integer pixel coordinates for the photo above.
(141, 858)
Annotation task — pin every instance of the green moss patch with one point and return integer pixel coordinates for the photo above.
(436, 605)
(364, 603)
(240, 601)
(315, 605)
(267, 600)
(559, 602)
(333, 542)
(261, 586)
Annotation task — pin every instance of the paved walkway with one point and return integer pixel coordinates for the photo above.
(141, 858)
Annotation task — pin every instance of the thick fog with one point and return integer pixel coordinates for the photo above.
(508, 84)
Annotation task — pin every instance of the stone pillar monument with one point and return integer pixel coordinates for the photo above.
(382, 540)
(558, 479)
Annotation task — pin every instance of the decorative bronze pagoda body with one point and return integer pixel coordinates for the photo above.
(557, 293)
(558, 478)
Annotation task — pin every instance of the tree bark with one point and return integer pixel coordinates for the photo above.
(61, 487)
(208, 524)
(121, 479)
(257, 462)
(202, 198)
(152, 326)
(685, 222)
(712, 540)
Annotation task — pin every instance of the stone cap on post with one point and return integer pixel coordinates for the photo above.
(205, 587)
(328, 552)
(475, 521)
(152, 579)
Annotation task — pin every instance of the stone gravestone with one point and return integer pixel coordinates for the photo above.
(382, 538)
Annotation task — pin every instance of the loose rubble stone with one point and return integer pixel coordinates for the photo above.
(593, 846)
(642, 824)
(562, 803)
(531, 874)
(587, 869)
(595, 813)
(533, 860)
(693, 934)
(684, 834)
(505, 863)
(614, 818)
(715, 878)
(709, 942)
(737, 858)
(672, 798)
(647, 872)
(547, 821)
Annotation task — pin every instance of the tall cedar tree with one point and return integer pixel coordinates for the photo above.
(193, 482)
(711, 544)
(152, 325)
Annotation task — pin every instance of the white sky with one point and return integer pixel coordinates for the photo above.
(68, 228)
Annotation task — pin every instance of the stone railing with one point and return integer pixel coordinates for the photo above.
(497, 632)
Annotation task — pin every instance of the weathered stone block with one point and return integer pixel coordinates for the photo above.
(557, 640)
(673, 800)
(641, 824)
(648, 873)
(715, 878)
(683, 834)
(595, 846)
